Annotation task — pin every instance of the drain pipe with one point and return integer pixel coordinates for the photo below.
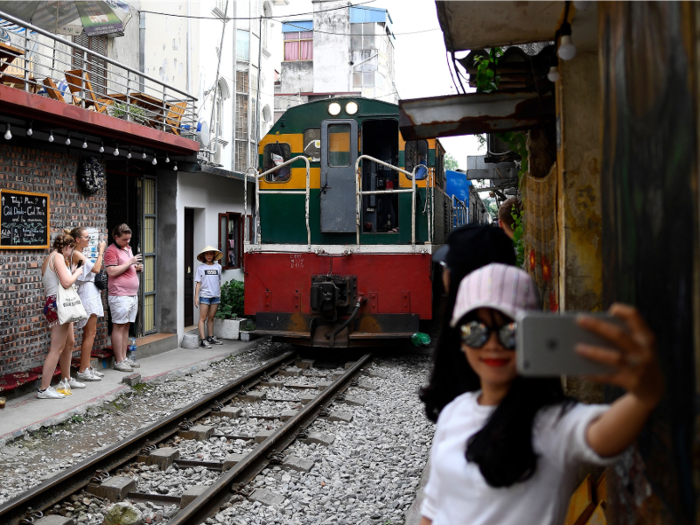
(142, 49)
(360, 301)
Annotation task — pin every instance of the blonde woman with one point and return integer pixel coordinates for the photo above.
(91, 298)
(54, 274)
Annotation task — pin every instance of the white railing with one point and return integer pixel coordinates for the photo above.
(42, 63)
(359, 192)
(253, 173)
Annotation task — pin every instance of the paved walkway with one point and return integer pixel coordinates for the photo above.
(27, 413)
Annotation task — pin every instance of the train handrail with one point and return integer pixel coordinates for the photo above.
(253, 172)
(461, 211)
(359, 192)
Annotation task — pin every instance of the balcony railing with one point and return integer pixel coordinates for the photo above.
(40, 62)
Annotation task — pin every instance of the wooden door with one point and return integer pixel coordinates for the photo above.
(188, 265)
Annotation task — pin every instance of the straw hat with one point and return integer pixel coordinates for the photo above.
(217, 254)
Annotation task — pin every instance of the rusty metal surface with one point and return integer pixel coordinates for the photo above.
(426, 118)
(72, 480)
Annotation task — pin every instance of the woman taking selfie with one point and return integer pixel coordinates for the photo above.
(54, 274)
(506, 451)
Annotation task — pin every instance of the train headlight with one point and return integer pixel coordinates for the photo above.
(334, 109)
(351, 108)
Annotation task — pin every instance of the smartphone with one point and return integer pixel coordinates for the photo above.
(545, 345)
(80, 263)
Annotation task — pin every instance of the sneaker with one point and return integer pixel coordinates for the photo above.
(203, 343)
(133, 363)
(214, 341)
(97, 374)
(49, 393)
(74, 383)
(63, 387)
(88, 375)
(123, 366)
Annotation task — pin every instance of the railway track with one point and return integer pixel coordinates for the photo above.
(147, 445)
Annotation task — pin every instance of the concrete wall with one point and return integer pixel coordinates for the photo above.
(208, 195)
(296, 77)
(167, 260)
(331, 51)
(579, 197)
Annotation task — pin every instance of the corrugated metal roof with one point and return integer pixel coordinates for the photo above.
(361, 15)
(296, 26)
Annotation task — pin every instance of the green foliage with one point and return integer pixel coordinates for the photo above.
(121, 111)
(486, 78)
(451, 162)
(231, 300)
(517, 142)
(518, 239)
(77, 419)
(250, 326)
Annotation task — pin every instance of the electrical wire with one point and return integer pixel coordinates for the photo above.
(301, 28)
(227, 18)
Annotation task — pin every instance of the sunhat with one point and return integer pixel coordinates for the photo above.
(505, 288)
(217, 254)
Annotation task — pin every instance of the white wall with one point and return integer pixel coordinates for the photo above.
(209, 195)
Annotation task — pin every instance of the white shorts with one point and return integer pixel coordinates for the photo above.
(123, 308)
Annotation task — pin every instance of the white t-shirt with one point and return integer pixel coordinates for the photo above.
(457, 493)
(210, 277)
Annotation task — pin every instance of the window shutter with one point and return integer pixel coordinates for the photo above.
(96, 66)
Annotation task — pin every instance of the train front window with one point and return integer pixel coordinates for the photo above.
(416, 154)
(339, 145)
(274, 155)
(312, 144)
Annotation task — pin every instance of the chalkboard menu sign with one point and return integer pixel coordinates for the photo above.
(24, 220)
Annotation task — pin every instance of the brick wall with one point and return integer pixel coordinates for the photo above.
(24, 336)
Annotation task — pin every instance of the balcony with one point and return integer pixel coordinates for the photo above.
(55, 88)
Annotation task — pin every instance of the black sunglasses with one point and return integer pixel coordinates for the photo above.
(475, 334)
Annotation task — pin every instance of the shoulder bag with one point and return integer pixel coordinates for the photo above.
(68, 304)
(101, 279)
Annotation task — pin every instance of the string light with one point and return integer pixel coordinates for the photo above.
(175, 166)
(8, 133)
(143, 156)
(50, 135)
(68, 139)
(154, 161)
(116, 150)
(128, 155)
(102, 147)
(30, 131)
(84, 143)
(553, 74)
(167, 158)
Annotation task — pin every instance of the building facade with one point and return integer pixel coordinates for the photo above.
(340, 50)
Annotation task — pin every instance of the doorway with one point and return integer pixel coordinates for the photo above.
(380, 139)
(189, 270)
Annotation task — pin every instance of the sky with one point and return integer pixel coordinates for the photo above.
(420, 60)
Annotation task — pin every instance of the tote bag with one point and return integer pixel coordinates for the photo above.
(70, 307)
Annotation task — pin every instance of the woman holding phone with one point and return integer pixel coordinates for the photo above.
(91, 298)
(507, 450)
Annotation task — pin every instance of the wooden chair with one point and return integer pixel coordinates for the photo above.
(75, 79)
(52, 90)
(174, 116)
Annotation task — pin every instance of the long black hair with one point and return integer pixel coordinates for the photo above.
(503, 447)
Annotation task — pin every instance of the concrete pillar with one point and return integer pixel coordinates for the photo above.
(579, 198)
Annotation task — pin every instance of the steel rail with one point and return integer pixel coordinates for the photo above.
(63, 485)
(208, 504)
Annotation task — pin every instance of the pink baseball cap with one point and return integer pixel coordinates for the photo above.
(505, 288)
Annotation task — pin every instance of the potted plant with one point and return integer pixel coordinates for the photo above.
(122, 111)
(249, 333)
(227, 324)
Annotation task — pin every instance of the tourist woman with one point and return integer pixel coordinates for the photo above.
(54, 274)
(508, 449)
(91, 298)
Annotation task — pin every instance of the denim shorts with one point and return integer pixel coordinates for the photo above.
(209, 300)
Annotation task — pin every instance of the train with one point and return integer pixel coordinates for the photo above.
(348, 217)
